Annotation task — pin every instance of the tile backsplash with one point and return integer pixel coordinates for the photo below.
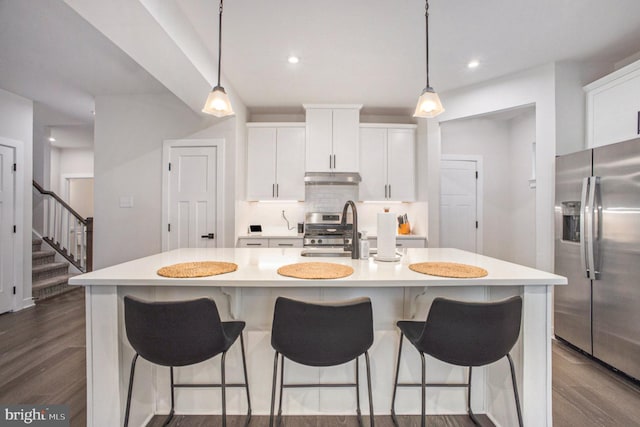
(328, 198)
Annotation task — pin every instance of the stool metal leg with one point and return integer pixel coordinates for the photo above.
(223, 389)
(273, 388)
(469, 411)
(515, 389)
(170, 416)
(133, 370)
(279, 420)
(358, 411)
(423, 414)
(395, 384)
(371, 414)
(246, 381)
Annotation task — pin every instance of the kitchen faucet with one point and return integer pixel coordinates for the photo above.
(355, 240)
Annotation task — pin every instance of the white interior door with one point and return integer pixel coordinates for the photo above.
(458, 205)
(192, 197)
(7, 236)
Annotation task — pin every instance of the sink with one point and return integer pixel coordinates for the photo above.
(325, 253)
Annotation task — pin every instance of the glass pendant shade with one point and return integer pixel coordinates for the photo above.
(429, 104)
(218, 103)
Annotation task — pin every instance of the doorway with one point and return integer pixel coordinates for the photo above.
(460, 203)
(193, 194)
(7, 224)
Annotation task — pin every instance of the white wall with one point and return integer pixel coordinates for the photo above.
(129, 133)
(69, 162)
(489, 139)
(16, 123)
(534, 87)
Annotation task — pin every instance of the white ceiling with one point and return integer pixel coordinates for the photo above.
(355, 51)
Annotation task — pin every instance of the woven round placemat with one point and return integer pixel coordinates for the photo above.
(197, 269)
(449, 269)
(315, 270)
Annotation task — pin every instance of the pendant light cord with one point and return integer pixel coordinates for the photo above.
(219, 41)
(426, 20)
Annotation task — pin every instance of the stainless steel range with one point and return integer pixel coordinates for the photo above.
(325, 230)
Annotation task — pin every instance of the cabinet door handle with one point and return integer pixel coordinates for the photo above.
(389, 190)
(273, 190)
(334, 161)
(277, 190)
(329, 161)
(385, 191)
(638, 122)
(285, 244)
(254, 244)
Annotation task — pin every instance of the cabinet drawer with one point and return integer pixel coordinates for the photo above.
(410, 243)
(285, 243)
(253, 243)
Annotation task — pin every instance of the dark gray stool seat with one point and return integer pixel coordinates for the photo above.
(181, 333)
(463, 334)
(321, 335)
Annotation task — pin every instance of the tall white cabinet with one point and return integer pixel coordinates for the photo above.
(387, 162)
(275, 161)
(332, 138)
(613, 107)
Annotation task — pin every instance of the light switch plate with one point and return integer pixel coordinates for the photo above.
(126, 201)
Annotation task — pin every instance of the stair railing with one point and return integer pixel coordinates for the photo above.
(66, 231)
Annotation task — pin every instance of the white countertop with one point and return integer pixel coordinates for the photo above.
(258, 268)
(301, 235)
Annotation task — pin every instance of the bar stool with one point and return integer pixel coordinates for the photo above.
(181, 333)
(321, 335)
(463, 334)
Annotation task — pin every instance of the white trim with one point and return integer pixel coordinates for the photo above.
(167, 145)
(626, 72)
(389, 125)
(276, 125)
(333, 106)
(479, 193)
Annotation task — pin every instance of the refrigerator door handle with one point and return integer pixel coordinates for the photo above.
(594, 227)
(583, 226)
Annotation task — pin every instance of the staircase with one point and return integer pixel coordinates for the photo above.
(50, 278)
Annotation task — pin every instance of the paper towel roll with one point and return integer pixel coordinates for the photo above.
(387, 236)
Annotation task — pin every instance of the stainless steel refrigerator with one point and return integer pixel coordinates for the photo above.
(597, 247)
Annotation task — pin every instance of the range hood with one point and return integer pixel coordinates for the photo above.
(332, 178)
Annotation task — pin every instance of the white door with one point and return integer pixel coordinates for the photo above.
(290, 164)
(192, 197)
(401, 170)
(373, 164)
(261, 164)
(7, 236)
(458, 205)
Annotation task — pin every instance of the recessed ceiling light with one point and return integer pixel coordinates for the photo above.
(293, 59)
(52, 139)
(473, 64)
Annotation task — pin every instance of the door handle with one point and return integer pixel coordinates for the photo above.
(277, 190)
(208, 236)
(583, 226)
(638, 122)
(389, 190)
(329, 161)
(334, 161)
(273, 190)
(594, 227)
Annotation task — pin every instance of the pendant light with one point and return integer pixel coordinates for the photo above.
(429, 104)
(218, 103)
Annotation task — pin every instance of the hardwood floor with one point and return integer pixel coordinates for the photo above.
(43, 362)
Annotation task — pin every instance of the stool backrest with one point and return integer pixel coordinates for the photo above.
(471, 333)
(175, 333)
(322, 334)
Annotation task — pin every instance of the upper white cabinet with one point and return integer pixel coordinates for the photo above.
(613, 107)
(332, 138)
(275, 166)
(387, 162)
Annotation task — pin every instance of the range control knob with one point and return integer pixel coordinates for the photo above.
(313, 241)
(319, 240)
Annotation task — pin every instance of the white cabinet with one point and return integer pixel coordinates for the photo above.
(332, 138)
(613, 107)
(387, 162)
(269, 242)
(275, 161)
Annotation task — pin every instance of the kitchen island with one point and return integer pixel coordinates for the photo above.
(249, 294)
